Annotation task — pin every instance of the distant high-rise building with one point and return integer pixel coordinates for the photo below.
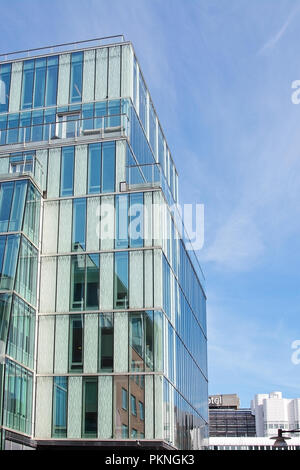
(102, 307)
(227, 419)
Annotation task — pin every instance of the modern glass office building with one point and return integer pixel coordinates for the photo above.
(102, 307)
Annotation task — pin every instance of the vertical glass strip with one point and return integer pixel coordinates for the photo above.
(121, 300)
(77, 282)
(65, 225)
(120, 342)
(67, 171)
(16, 86)
(120, 163)
(136, 281)
(108, 166)
(27, 85)
(76, 343)
(17, 210)
(121, 418)
(50, 227)
(136, 220)
(114, 77)
(106, 342)
(94, 168)
(79, 225)
(90, 407)
(127, 72)
(6, 195)
(51, 81)
(76, 77)
(107, 222)
(101, 74)
(88, 76)
(44, 393)
(10, 262)
(149, 407)
(60, 400)
(39, 82)
(5, 76)
(48, 284)
(106, 281)
(80, 170)
(63, 79)
(105, 406)
(61, 344)
(54, 164)
(93, 224)
(121, 240)
(45, 344)
(91, 343)
(75, 407)
(92, 282)
(63, 284)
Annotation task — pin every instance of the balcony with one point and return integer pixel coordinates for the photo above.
(22, 165)
(69, 127)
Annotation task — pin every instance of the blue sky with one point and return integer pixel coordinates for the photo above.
(220, 75)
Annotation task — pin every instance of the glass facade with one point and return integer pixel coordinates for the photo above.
(99, 295)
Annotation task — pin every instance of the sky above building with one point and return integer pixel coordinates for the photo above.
(220, 73)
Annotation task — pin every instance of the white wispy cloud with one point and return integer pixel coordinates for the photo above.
(274, 39)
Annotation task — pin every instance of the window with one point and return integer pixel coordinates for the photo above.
(106, 343)
(94, 168)
(121, 221)
(143, 102)
(121, 280)
(114, 111)
(124, 431)
(37, 126)
(85, 282)
(22, 163)
(9, 261)
(133, 405)
(88, 115)
(79, 224)
(76, 343)
(134, 433)
(141, 331)
(78, 282)
(90, 407)
(27, 86)
(60, 396)
(124, 399)
(12, 126)
(51, 81)
(141, 410)
(39, 85)
(6, 195)
(136, 220)
(39, 82)
(92, 282)
(5, 75)
(17, 409)
(108, 167)
(76, 77)
(67, 171)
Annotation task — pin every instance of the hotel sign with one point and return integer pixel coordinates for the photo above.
(215, 400)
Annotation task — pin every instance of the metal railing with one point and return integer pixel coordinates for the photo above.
(58, 48)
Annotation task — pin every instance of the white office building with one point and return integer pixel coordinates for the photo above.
(272, 412)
